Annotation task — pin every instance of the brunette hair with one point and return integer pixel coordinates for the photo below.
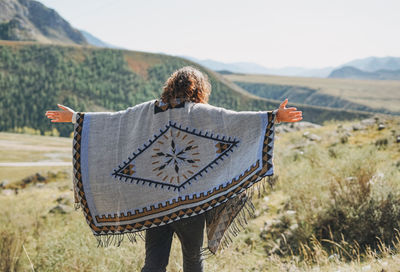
(187, 83)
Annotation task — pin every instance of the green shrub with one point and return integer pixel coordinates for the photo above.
(340, 200)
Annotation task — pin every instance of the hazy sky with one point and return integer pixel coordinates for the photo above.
(307, 33)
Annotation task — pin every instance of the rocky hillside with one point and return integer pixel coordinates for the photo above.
(28, 20)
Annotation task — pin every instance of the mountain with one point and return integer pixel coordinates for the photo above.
(354, 73)
(370, 64)
(92, 40)
(254, 68)
(53, 68)
(373, 64)
(28, 20)
(35, 77)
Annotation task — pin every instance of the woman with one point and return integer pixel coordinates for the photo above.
(184, 85)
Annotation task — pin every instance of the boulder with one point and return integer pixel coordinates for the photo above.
(60, 209)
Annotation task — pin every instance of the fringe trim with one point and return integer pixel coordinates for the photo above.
(77, 206)
(107, 240)
(240, 221)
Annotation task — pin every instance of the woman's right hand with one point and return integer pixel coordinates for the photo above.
(288, 114)
(60, 116)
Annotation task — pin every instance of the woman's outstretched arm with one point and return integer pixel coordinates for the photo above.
(288, 114)
(61, 116)
(283, 114)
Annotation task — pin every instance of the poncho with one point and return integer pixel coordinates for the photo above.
(156, 163)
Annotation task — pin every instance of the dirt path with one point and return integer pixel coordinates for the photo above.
(40, 163)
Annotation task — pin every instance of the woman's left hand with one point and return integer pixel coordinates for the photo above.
(288, 114)
(60, 116)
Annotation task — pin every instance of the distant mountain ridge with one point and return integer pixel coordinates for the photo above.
(373, 64)
(254, 68)
(370, 64)
(28, 20)
(93, 40)
(354, 73)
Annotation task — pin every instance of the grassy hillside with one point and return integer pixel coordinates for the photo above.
(347, 180)
(365, 95)
(34, 78)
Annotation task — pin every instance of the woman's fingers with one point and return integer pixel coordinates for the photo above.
(63, 107)
(52, 113)
(296, 119)
(60, 116)
(284, 103)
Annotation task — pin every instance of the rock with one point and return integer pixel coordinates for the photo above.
(294, 227)
(34, 179)
(290, 212)
(366, 267)
(311, 136)
(4, 183)
(348, 134)
(333, 257)
(8, 192)
(398, 139)
(368, 122)
(64, 199)
(265, 207)
(381, 126)
(304, 124)
(295, 126)
(314, 137)
(357, 127)
(60, 209)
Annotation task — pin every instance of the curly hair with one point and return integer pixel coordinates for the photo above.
(188, 84)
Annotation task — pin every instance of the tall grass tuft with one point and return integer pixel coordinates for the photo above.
(11, 250)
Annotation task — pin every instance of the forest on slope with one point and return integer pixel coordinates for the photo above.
(35, 77)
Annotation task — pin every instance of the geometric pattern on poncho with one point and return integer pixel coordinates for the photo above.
(245, 181)
(178, 157)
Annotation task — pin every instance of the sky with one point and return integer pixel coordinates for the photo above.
(306, 33)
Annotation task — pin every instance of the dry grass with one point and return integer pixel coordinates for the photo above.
(64, 242)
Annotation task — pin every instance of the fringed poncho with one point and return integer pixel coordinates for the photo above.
(155, 163)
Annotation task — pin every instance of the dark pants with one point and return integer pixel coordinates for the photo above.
(158, 245)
